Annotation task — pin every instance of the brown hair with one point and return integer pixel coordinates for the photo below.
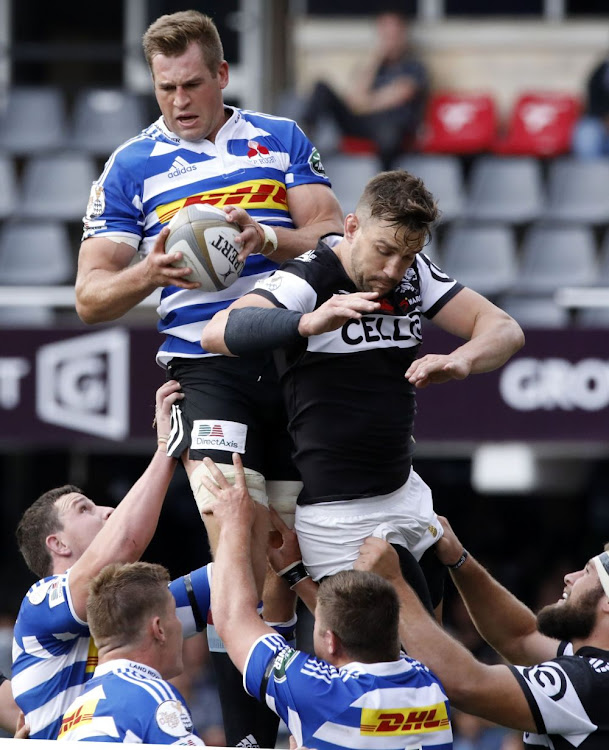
(38, 521)
(171, 34)
(122, 597)
(362, 609)
(401, 199)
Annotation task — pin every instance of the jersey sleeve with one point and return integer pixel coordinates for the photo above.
(305, 166)
(192, 593)
(170, 722)
(115, 202)
(288, 287)
(47, 621)
(289, 681)
(557, 692)
(437, 287)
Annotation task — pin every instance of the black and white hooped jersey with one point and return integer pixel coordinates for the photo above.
(568, 697)
(349, 405)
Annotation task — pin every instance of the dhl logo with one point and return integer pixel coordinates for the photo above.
(82, 715)
(266, 194)
(92, 657)
(392, 721)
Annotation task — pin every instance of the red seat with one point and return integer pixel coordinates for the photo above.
(459, 123)
(354, 144)
(541, 124)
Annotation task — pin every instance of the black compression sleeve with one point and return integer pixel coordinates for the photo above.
(253, 329)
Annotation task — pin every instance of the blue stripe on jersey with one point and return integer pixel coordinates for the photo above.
(127, 702)
(146, 181)
(382, 706)
(45, 682)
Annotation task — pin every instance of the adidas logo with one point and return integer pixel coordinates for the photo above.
(180, 166)
(249, 741)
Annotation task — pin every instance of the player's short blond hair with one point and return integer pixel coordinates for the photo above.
(171, 34)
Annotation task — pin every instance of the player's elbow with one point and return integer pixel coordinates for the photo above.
(212, 338)
(90, 313)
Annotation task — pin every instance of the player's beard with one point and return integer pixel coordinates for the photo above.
(565, 622)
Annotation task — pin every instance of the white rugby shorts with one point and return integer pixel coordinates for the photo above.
(330, 534)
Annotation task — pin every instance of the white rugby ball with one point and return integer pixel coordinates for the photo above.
(207, 243)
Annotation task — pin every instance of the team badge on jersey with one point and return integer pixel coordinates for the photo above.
(97, 202)
(316, 164)
(173, 718)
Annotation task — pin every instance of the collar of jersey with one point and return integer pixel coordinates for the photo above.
(379, 668)
(197, 145)
(114, 665)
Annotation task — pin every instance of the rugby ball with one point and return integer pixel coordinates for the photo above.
(207, 243)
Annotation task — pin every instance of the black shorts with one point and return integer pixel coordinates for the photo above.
(232, 404)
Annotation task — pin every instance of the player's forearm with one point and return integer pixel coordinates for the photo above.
(234, 599)
(132, 525)
(294, 242)
(501, 619)
(491, 345)
(107, 295)
(430, 644)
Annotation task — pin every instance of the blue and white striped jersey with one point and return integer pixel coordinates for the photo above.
(129, 702)
(54, 656)
(254, 161)
(387, 705)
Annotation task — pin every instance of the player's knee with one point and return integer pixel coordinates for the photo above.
(282, 497)
(203, 497)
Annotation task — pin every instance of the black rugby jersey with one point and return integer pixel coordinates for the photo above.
(568, 697)
(351, 410)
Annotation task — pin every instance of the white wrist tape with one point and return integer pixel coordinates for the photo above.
(270, 236)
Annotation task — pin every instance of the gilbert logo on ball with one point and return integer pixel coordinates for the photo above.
(207, 243)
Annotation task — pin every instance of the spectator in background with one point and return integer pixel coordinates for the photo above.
(385, 99)
(133, 620)
(591, 134)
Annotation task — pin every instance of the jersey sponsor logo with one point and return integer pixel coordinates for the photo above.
(180, 166)
(218, 435)
(173, 718)
(259, 154)
(97, 202)
(381, 328)
(307, 257)
(549, 678)
(316, 164)
(253, 194)
(282, 662)
(38, 593)
(395, 721)
(83, 714)
(599, 665)
(56, 594)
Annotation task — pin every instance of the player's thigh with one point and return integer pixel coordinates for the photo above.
(218, 415)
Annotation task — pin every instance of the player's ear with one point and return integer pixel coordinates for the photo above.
(351, 225)
(57, 546)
